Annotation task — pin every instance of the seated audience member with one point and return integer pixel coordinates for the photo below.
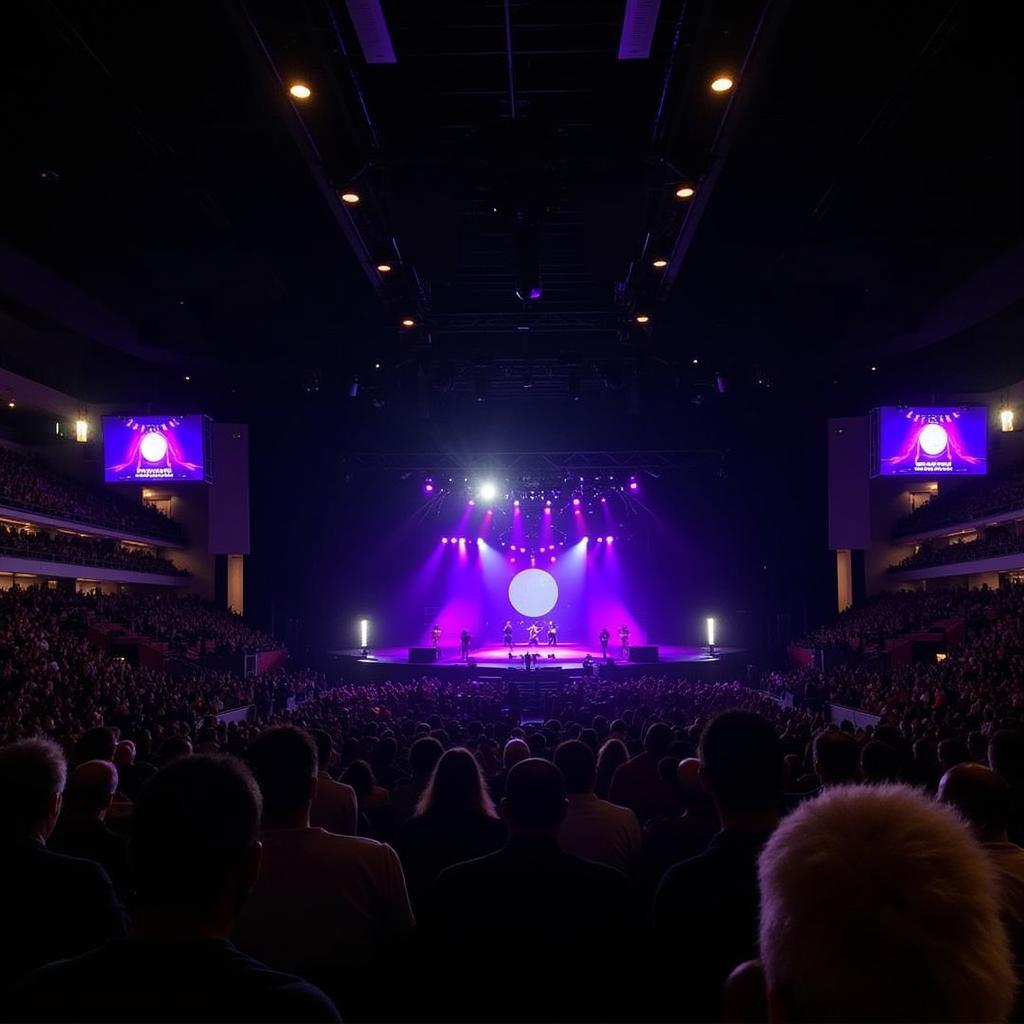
(706, 908)
(423, 757)
(578, 899)
(1006, 758)
(515, 750)
(96, 744)
(983, 798)
(952, 752)
(638, 785)
(879, 763)
(327, 907)
(335, 808)
(196, 856)
(836, 758)
(455, 821)
(53, 905)
(373, 801)
(878, 905)
(81, 828)
(612, 754)
(593, 828)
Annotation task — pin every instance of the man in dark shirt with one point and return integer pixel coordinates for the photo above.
(53, 905)
(579, 901)
(196, 857)
(706, 908)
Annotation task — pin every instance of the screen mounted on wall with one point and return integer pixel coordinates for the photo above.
(155, 449)
(949, 440)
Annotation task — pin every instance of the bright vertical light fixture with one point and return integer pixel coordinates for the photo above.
(711, 631)
(82, 431)
(364, 633)
(1006, 420)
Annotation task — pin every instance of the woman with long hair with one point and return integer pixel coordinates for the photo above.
(611, 755)
(455, 820)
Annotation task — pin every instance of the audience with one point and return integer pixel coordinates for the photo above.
(335, 808)
(638, 785)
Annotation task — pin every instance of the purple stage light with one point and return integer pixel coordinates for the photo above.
(608, 540)
(543, 549)
(444, 540)
(535, 293)
(548, 503)
(586, 540)
(600, 540)
(552, 558)
(516, 503)
(547, 511)
(472, 502)
(633, 485)
(428, 487)
(512, 560)
(455, 540)
(577, 512)
(576, 502)
(603, 499)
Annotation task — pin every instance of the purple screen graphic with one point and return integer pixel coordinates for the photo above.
(153, 449)
(933, 440)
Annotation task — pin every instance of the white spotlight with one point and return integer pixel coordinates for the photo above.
(711, 635)
(1006, 420)
(488, 491)
(364, 636)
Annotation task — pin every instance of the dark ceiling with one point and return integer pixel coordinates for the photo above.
(165, 203)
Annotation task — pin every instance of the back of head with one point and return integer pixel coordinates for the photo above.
(124, 754)
(877, 904)
(516, 750)
(952, 752)
(32, 773)
(456, 788)
(284, 761)
(980, 795)
(879, 762)
(96, 744)
(575, 760)
(741, 761)
(174, 747)
(91, 787)
(688, 778)
(193, 825)
(1006, 755)
(534, 796)
(424, 755)
(324, 747)
(836, 757)
(657, 740)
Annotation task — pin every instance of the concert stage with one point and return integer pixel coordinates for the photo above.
(491, 661)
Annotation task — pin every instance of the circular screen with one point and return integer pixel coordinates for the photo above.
(933, 439)
(533, 592)
(154, 446)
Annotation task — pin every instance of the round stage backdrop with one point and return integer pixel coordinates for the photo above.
(533, 592)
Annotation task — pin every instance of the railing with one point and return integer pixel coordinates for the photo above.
(96, 563)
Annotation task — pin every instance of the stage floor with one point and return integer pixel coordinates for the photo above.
(567, 656)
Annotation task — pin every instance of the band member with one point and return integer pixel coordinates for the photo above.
(604, 638)
(533, 634)
(624, 637)
(465, 639)
(507, 634)
(528, 660)
(552, 634)
(435, 633)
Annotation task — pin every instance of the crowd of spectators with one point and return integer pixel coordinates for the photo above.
(994, 544)
(27, 483)
(20, 542)
(971, 501)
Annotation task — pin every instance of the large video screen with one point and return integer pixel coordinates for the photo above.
(932, 440)
(154, 449)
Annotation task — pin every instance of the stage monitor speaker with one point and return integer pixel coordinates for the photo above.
(422, 655)
(643, 653)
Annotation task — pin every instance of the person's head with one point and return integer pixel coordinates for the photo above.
(124, 754)
(1006, 755)
(90, 789)
(457, 788)
(284, 761)
(879, 762)
(173, 748)
(953, 751)
(194, 844)
(688, 778)
(878, 904)
(657, 740)
(534, 798)
(613, 753)
(32, 777)
(741, 764)
(96, 744)
(516, 750)
(324, 748)
(836, 757)
(359, 775)
(576, 761)
(981, 796)
(424, 755)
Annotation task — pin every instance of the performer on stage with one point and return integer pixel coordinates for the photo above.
(507, 633)
(533, 633)
(436, 634)
(465, 638)
(624, 637)
(604, 638)
(552, 634)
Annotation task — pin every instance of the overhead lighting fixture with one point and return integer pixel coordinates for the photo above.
(643, 318)
(81, 431)
(658, 264)
(350, 197)
(408, 322)
(1006, 420)
(10, 404)
(685, 192)
(384, 268)
(723, 83)
(300, 91)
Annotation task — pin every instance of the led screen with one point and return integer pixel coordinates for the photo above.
(932, 440)
(148, 449)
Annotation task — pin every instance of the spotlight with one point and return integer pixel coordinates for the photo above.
(300, 90)
(471, 502)
(603, 499)
(350, 197)
(10, 404)
(384, 268)
(552, 558)
(576, 502)
(428, 486)
(658, 264)
(685, 192)
(82, 429)
(723, 83)
(516, 503)
(455, 540)
(633, 485)
(408, 322)
(586, 540)
(364, 636)
(512, 560)
(462, 540)
(488, 491)
(600, 540)
(711, 635)
(1006, 420)
(547, 510)
(643, 318)
(542, 550)
(608, 540)
(444, 540)
(548, 503)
